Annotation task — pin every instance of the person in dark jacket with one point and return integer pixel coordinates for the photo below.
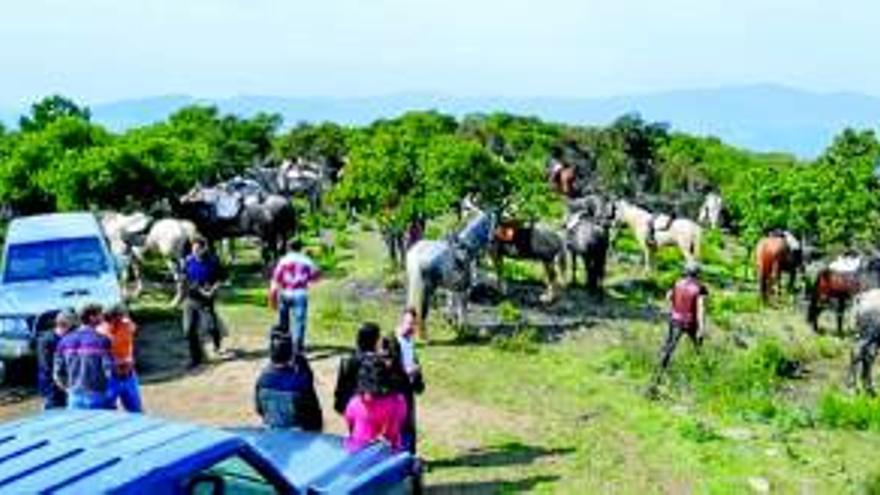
(687, 316)
(202, 275)
(83, 363)
(285, 392)
(53, 395)
(347, 379)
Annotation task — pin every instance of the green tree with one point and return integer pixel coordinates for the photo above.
(50, 109)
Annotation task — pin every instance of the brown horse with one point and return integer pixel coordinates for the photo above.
(837, 285)
(562, 179)
(775, 254)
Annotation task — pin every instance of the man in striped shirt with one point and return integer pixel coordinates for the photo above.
(288, 291)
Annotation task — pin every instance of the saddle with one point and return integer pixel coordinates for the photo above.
(845, 264)
(660, 222)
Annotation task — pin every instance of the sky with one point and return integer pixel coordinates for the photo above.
(104, 50)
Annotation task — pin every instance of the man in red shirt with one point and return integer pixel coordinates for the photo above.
(688, 316)
(288, 292)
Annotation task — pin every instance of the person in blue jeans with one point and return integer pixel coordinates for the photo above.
(289, 292)
(84, 364)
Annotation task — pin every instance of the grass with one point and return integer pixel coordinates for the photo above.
(518, 413)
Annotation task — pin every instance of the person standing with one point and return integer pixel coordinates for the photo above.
(124, 386)
(83, 363)
(288, 291)
(202, 275)
(53, 395)
(409, 374)
(347, 378)
(687, 317)
(285, 391)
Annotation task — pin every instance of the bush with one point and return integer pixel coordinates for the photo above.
(839, 411)
(509, 313)
(522, 341)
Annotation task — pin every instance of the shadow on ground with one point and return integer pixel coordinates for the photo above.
(506, 454)
(489, 487)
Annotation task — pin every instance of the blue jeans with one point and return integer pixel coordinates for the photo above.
(87, 400)
(127, 390)
(298, 305)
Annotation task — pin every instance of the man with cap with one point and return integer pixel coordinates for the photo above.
(53, 395)
(687, 301)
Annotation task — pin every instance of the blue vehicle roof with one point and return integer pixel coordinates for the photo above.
(38, 228)
(75, 452)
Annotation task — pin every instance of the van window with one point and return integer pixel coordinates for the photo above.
(231, 476)
(55, 258)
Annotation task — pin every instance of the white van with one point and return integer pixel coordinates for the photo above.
(51, 262)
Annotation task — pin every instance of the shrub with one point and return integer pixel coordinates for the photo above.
(836, 410)
(522, 341)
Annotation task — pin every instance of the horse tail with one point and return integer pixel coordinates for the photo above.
(696, 241)
(815, 295)
(415, 287)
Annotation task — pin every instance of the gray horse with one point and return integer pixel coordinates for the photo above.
(448, 264)
(272, 219)
(531, 242)
(588, 237)
(866, 312)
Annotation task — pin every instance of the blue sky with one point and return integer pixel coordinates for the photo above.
(103, 50)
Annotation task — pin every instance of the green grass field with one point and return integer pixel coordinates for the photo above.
(761, 409)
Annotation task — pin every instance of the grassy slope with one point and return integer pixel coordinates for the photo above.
(569, 417)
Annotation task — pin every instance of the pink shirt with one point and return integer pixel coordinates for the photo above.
(374, 418)
(294, 272)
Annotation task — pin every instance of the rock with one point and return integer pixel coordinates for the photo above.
(736, 434)
(759, 485)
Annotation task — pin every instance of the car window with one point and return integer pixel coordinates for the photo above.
(55, 258)
(231, 476)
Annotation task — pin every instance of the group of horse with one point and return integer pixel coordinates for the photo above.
(835, 283)
(587, 230)
(256, 205)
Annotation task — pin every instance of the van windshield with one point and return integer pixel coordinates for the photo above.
(55, 258)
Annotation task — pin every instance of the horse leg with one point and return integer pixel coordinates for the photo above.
(841, 308)
(498, 261)
(574, 268)
(552, 291)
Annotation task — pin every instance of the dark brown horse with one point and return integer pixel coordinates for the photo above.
(778, 253)
(836, 285)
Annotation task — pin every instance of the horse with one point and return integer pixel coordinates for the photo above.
(838, 282)
(712, 211)
(774, 254)
(587, 237)
(866, 315)
(302, 179)
(448, 264)
(132, 237)
(273, 220)
(655, 231)
(529, 242)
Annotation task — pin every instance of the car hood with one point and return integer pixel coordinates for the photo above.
(39, 296)
(318, 463)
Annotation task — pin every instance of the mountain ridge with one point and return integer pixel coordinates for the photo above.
(760, 117)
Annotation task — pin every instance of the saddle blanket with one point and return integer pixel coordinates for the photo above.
(845, 264)
(662, 221)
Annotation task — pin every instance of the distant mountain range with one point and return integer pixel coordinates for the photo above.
(757, 117)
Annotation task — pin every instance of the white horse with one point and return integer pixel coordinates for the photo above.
(133, 237)
(655, 231)
(711, 210)
(448, 264)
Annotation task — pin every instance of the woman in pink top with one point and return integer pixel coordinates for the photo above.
(378, 410)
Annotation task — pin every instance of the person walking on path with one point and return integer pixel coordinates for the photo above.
(288, 291)
(285, 394)
(83, 363)
(687, 317)
(202, 275)
(53, 395)
(124, 385)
